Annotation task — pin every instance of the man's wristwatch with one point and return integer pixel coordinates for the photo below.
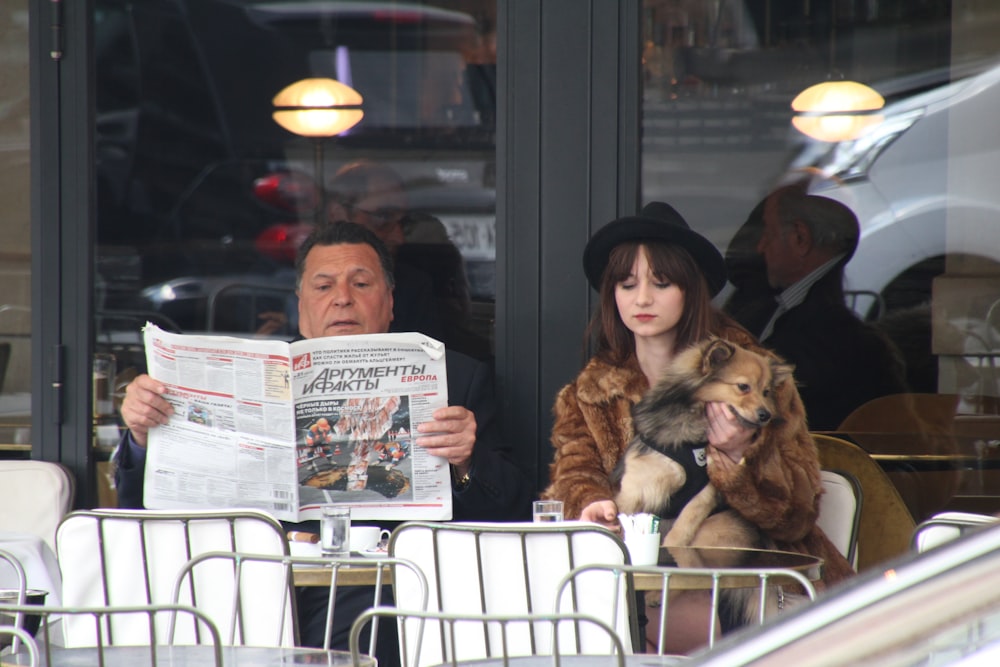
(460, 482)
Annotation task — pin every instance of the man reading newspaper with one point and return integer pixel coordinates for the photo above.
(344, 285)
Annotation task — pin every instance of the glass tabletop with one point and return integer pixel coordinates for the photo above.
(729, 558)
(734, 557)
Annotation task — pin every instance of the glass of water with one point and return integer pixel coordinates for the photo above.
(547, 510)
(335, 531)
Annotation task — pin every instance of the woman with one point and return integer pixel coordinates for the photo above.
(656, 278)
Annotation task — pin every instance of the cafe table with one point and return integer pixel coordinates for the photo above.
(688, 557)
(189, 656)
(41, 569)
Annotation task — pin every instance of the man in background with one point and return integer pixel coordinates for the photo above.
(802, 243)
(432, 289)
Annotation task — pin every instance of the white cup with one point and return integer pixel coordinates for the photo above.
(335, 531)
(364, 538)
(643, 548)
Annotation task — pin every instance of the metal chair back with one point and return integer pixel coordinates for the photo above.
(21, 642)
(19, 597)
(946, 526)
(133, 557)
(94, 629)
(503, 568)
(497, 638)
(767, 597)
(231, 581)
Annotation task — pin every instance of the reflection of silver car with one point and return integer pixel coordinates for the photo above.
(923, 184)
(939, 608)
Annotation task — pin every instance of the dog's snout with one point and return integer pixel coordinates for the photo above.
(763, 416)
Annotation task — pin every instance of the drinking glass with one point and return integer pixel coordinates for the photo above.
(335, 531)
(547, 510)
(104, 385)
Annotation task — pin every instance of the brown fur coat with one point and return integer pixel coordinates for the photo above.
(777, 489)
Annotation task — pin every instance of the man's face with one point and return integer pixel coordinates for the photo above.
(774, 246)
(343, 291)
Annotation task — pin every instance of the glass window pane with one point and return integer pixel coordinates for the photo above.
(15, 226)
(720, 135)
(203, 198)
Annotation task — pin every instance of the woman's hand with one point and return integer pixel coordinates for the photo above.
(728, 437)
(604, 512)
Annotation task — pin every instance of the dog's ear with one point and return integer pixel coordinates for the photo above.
(717, 353)
(781, 371)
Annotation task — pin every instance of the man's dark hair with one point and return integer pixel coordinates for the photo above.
(833, 226)
(338, 233)
(354, 181)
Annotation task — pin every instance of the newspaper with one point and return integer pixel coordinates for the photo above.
(288, 427)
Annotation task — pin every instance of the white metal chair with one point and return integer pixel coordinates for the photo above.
(760, 588)
(18, 596)
(227, 585)
(134, 557)
(503, 568)
(21, 642)
(35, 496)
(95, 629)
(464, 637)
(947, 526)
(840, 511)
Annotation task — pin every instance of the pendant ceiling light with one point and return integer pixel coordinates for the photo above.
(317, 108)
(837, 110)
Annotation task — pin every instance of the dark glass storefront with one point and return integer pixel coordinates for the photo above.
(163, 190)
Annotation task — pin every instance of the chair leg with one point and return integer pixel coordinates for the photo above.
(687, 622)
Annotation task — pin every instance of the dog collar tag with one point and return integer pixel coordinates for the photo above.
(700, 456)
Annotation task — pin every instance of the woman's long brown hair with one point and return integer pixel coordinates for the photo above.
(615, 343)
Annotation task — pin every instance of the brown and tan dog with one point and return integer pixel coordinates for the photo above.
(664, 468)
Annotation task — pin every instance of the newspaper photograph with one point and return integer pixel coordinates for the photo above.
(288, 427)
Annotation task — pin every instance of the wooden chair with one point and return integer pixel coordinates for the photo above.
(909, 425)
(840, 511)
(885, 525)
(887, 414)
(459, 638)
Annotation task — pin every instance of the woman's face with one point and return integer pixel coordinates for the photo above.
(649, 307)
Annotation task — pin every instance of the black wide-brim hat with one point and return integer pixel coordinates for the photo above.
(660, 222)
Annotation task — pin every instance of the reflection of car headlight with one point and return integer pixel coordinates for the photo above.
(166, 293)
(850, 160)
